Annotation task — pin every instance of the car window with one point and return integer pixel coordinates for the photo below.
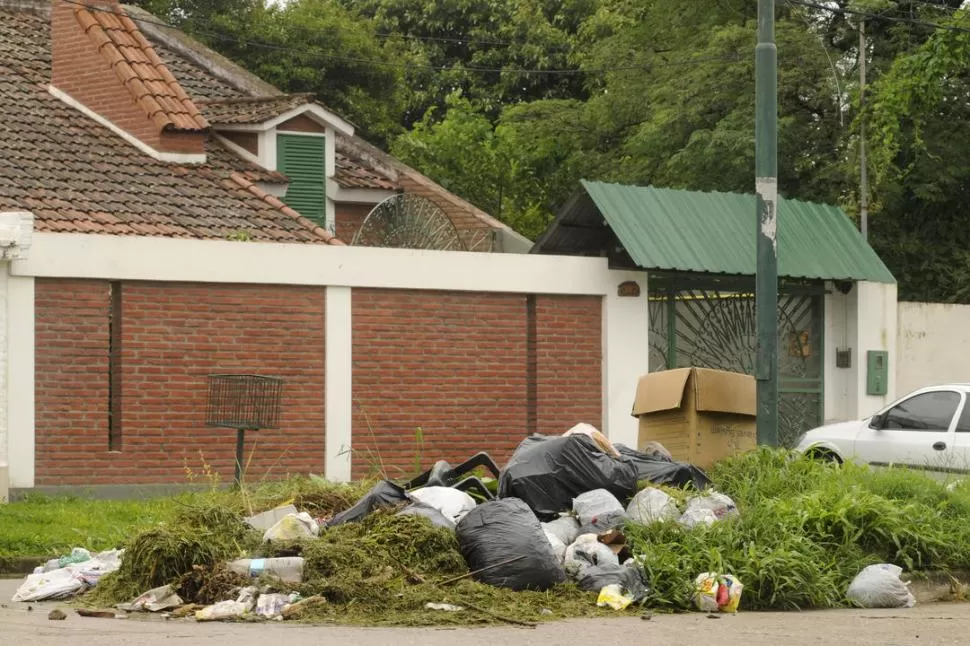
(925, 412)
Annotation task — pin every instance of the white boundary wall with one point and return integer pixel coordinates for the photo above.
(934, 345)
(338, 269)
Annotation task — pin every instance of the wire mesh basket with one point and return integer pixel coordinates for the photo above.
(248, 402)
(245, 403)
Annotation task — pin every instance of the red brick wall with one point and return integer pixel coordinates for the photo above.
(173, 335)
(456, 365)
(71, 384)
(80, 70)
(348, 219)
(569, 365)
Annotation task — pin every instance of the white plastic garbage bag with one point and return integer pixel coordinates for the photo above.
(56, 584)
(271, 605)
(155, 600)
(722, 506)
(292, 527)
(558, 547)
(879, 586)
(565, 528)
(694, 517)
(452, 503)
(70, 579)
(243, 604)
(598, 511)
(652, 505)
(586, 551)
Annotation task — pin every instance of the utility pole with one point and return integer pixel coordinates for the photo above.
(766, 186)
(864, 172)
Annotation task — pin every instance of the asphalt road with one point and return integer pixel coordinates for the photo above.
(936, 624)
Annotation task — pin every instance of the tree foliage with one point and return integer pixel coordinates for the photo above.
(509, 103)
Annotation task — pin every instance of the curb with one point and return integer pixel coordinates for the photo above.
(15, 566)
(935, 586)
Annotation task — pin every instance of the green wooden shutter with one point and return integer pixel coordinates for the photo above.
(303, 159)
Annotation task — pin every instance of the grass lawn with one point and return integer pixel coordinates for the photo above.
(50, 526)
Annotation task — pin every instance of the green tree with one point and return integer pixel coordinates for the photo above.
(303, 46)
(481, 48)
(919, 121)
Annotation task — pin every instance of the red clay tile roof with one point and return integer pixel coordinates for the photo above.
(77, 176)
(139, 68)
(251, 109)
(352, 174)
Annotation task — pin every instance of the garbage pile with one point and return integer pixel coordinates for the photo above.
(554, 515)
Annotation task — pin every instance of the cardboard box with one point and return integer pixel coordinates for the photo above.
(700, 415)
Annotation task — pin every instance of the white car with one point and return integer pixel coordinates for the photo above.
(927, 429)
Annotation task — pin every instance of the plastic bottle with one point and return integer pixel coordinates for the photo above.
(288, 569)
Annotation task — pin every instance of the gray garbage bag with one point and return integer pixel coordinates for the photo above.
(548, 472)
(587, 551)
(879, 586)
(431, 513)
(598, 511)
(383, 494)
(596, 577)
(659, 469)
(565, 528)
(494, 533)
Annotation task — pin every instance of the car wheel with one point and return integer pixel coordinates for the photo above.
(824, 455)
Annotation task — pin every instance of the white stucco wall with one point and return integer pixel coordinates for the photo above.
(934, 345)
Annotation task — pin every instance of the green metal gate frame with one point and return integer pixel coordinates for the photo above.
(796, 301)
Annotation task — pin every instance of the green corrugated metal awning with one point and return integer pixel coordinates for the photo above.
(666, 229)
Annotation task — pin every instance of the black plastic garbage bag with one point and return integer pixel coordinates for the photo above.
(436, 517)
(659, 470)
(547, 472)
(383, 494)
(506, 537)
(596, 577)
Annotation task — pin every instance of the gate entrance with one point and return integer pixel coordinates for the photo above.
(710, 323)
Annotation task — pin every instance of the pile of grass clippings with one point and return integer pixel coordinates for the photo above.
(200, 534)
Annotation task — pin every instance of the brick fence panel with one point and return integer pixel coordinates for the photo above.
(453, 364)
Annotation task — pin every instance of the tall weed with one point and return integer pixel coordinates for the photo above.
(805, 529)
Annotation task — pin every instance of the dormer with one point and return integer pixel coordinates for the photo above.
(104, 66)
(292, 134)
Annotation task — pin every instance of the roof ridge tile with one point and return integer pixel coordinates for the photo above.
(141, 70)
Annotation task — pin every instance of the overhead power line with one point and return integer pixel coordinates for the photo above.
(879, 16)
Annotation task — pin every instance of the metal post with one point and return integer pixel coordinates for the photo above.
(766, 186)
(240, 443)
(864, 172)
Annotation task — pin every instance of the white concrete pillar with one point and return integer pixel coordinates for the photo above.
(626, 352)
(876, 315)
(4, 381)
(338, 383)
(864, 319)
(20, 380)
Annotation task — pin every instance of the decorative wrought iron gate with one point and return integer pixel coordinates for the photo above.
(712, 324)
